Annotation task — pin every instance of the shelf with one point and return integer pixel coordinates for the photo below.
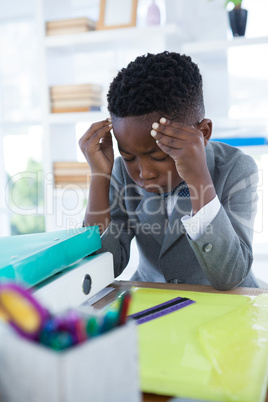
(136, 36)
(67, 118)
(212, 46)
(102, 40)
(13, 123)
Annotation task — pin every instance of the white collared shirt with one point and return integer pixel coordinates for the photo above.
(196, 225)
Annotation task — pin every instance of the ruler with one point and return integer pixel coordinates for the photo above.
(161, 309)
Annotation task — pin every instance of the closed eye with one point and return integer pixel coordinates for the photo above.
(128, 159)
(160, 159)
(152, 157)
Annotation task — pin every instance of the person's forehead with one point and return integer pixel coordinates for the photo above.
(144, 121)
(133, 135)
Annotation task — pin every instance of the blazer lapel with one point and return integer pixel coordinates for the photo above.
(151, 213)
(175, 227)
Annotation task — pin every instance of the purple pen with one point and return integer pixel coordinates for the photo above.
(76, 326)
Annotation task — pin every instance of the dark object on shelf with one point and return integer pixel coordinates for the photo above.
(238, 21)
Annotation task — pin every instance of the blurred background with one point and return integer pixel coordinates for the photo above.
(43, 175)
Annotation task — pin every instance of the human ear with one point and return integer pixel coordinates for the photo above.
(205, 126)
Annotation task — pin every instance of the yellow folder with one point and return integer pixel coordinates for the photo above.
(215, 349)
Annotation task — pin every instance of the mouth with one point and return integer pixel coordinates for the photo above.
(158, 188)
(152, 188)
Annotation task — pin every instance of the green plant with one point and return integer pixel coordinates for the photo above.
(26, 192)
(236, 3)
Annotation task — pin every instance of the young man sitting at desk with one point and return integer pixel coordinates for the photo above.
(189, 202)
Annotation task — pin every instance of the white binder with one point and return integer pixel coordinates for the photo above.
(76, 284)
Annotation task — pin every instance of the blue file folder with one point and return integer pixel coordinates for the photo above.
(29, 259)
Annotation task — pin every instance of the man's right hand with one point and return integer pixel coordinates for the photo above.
(97, 146)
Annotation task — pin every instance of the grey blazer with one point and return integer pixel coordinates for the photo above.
(221, 257)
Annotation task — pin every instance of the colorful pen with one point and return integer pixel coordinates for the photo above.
(126, 299)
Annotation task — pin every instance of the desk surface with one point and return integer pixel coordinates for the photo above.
(123, 285)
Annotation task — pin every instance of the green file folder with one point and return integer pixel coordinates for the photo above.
(29, 259)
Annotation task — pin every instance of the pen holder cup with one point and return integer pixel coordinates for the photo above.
(102, 369)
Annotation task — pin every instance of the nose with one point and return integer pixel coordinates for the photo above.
(146, 171)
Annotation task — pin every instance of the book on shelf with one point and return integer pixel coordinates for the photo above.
(75, 109)
(74, 186)
(70, 26)
(75, 102)
(75, 98)
(71, 173)
(76, 95)
(70, 22)
(72, 179)
(56, 90)
(70, 168)
(67, 31)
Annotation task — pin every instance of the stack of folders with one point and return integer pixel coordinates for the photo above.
(71, 174)
(75, 98)
(70, 26)
(32, 258)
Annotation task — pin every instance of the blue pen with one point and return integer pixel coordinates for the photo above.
(110, 320)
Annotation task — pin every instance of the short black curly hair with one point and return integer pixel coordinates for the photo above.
(168, 83)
